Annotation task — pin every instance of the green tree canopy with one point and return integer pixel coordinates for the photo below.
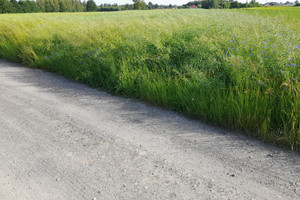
(91, 6)
(5, 6)
(139, 5)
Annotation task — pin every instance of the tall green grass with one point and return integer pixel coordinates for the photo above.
(231, 68)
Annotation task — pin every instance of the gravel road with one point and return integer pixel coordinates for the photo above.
(63, 140)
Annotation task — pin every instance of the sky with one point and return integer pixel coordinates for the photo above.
(173, 2)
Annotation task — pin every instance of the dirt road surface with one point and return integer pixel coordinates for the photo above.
(63, 140)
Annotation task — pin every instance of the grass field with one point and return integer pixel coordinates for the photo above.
(285, 13)
(239, 69)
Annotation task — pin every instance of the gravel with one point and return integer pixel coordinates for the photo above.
(63, 140)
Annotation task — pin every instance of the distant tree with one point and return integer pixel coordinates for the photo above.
(109, 8)
(207, 4)
(234, 4)
(14, 6)
(28, 6)
(49, 5)
(78, 7)
(139, 5)
(225, 4)
(91, 6)
(128, 7)
(5, 6)
(41, 5)
(196, 3)
(62, 7)
(253, 3)
(150, 6)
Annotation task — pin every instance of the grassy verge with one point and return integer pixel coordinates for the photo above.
(230, 68)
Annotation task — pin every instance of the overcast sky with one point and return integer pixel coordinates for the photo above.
(173, 2)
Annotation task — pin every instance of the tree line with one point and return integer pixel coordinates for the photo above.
(208, 4)
(31, 6)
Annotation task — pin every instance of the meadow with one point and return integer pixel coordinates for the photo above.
(238, 69)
